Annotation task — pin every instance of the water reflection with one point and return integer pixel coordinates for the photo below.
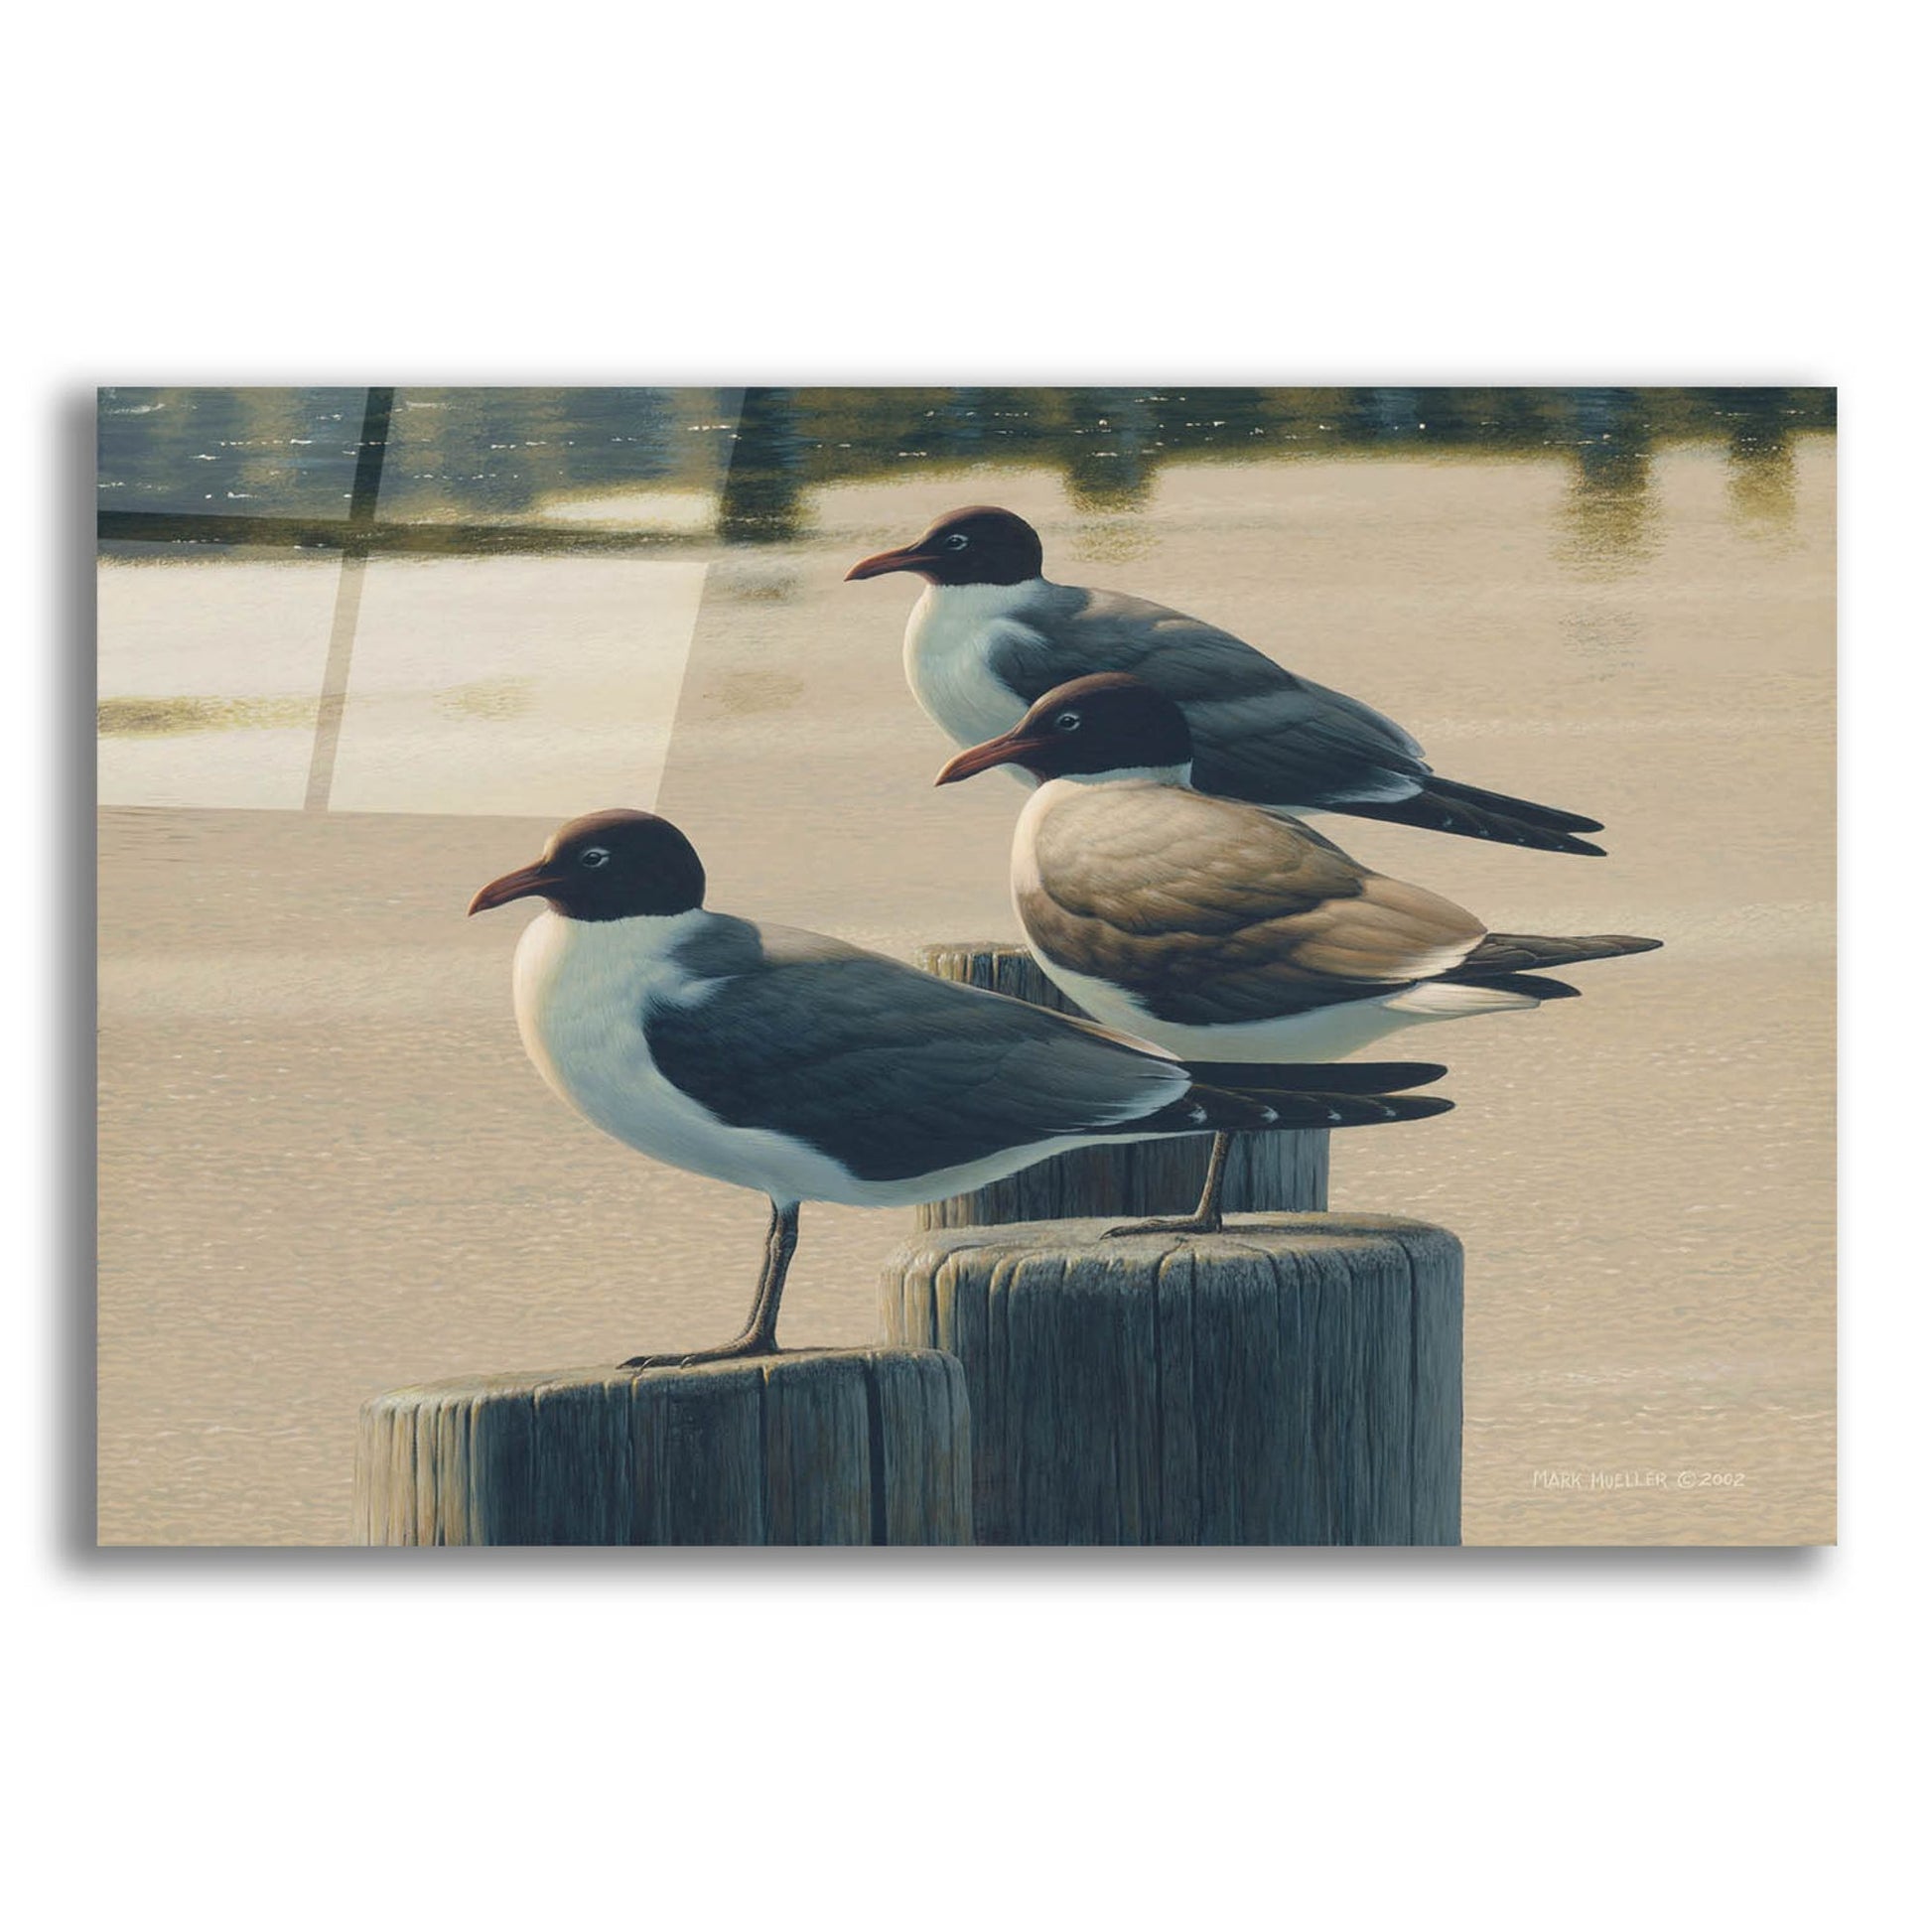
(1113, 461)
(239, 452)
(486, 468)
(1109, 445)
(477, 454)
(1611, 517)
(498, 455)
(764, 476)
(1762, 481)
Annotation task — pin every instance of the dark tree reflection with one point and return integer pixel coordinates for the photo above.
(767, 475)
(1761, 464)
(1610, 513)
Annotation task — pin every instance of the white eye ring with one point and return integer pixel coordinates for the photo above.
(1067, 721)
(593, 856)
(958, 540)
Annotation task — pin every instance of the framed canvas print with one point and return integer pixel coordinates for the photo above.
(983, 966)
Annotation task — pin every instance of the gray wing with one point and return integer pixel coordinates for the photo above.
(889, 1071)
(1261, 733)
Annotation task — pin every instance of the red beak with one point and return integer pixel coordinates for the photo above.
(525, 882)
(1009, 748)
(907, 558)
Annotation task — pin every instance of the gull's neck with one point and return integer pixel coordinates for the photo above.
(1180, 776)
(992, 600)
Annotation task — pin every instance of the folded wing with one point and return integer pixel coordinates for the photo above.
(1213, 914)
(1260, 732)
(893, 1072)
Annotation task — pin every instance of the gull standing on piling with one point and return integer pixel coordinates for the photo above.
(1222, 930)
(990, 636)
(808, 1069)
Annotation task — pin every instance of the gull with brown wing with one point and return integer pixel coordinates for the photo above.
(1222, 931)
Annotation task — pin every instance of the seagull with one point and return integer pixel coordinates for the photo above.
(808, 1069)
(1223, 932)
(990, 636)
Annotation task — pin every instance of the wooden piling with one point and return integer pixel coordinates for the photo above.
(846, 1446)
(1291, 1380)
(1267, 1172)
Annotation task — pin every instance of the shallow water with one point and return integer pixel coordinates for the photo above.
(327, 1169)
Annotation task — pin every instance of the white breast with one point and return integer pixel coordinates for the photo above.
(949, 638)
(581, 990)
(581, 987)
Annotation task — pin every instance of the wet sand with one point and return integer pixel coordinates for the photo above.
(327, 1169)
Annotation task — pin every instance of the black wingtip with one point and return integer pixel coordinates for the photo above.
(1534, 986)
(1362, 1110)
(1419, 1106)
(1325, 1076)
(1522, 814)
(1466, 812)
(1303, 1111)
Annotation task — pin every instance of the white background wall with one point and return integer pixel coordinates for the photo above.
(1669, 195)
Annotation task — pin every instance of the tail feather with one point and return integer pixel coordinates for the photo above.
(1503, 953)
(1303, 1110)
(1214, 1110)
(1471, 813)
(1532, 986)
(1293, 1076)
(1545, 817)
(1262, 1096)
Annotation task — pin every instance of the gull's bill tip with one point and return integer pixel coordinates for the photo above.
(524, 883)
(1009, 748)
(881, 564)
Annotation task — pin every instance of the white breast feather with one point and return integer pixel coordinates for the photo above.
(949, 641)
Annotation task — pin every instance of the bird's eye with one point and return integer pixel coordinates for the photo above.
(1067, 721)
(958, 540)
(593, 856)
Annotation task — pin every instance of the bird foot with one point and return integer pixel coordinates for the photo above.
(745, 1347)
(1168, 1224)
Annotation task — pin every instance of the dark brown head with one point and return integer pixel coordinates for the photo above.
(1093, 725)
(978, 545)
(615, 865)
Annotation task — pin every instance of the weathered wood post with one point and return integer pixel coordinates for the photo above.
(834, 1445)
(1266, 1172)
(1295, 1379)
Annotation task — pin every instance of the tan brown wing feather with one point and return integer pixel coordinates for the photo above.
(1212, 912)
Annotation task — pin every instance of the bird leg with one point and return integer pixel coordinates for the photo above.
(761, 1336)
(1206, 1217)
